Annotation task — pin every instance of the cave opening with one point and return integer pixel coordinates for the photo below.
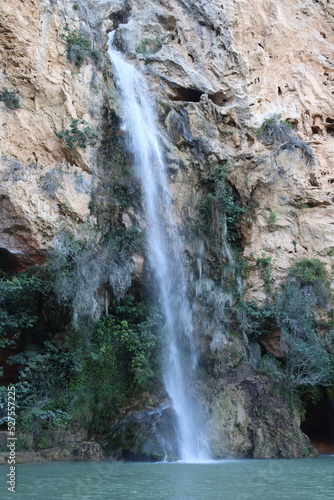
(186, 94)
(9, 263)
(318, 424)
(218, 98)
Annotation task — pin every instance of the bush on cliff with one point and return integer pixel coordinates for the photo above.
(10, 98)
(19, 304)
(62, 384)
(307, 361)
(308, 358)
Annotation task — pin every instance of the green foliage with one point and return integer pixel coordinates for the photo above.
(254, 320)
(78, 47)
(130, 332)
(308, 272)
(78, 270)
(10, 98)
(72, 387)
(311, 276)
(264, 264)
(231, 206)
(308, 360)
(128, 241)
(43, 378)
(122, 358)
(22, 443)
(79, 134)
(275, 131)
(19, 297)
(280, 133)
(220, 211)
(150, 46)
(76, 275)
(272, 218)
(271, 367)
(122, 196)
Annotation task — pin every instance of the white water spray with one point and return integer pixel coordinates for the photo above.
(165, 249)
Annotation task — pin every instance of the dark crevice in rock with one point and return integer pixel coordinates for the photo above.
(319, 424)
(9, 261)
(218, 98)
(316, 130)
(177, 93)
(168, 22)
(186, 94)
(122, 16)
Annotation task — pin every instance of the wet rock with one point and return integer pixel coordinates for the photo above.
(251, 419)
(146, 436)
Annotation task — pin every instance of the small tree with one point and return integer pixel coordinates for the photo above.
(307, 362)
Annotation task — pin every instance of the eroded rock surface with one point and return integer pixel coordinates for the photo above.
(217, 71)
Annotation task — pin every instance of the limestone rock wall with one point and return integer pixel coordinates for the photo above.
(217, 71)
(43, 183)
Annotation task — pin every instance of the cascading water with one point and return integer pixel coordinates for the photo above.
(164, 249)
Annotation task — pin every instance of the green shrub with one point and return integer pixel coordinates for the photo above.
(78, 47)
(19, 302)
(280, 133)
(312, 277)
(43, 377)
(130, 331)
(307, 360)
(10, 98)
(264, 265)
(79, 269)
(75, 387)
(308, 272)
(271, 367)
(229, 201)
(220, 211)
(275, 131)
(79, 134)
(272, 218)
(122, 196)
(152, 45)
(254, 320)
(122, 359)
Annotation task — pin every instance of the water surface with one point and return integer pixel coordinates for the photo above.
(304, 479)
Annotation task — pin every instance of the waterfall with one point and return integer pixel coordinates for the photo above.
(165, 249)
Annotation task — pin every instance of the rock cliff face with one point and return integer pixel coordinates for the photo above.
(217, 70)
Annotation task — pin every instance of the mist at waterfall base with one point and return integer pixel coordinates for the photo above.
(164, 249)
